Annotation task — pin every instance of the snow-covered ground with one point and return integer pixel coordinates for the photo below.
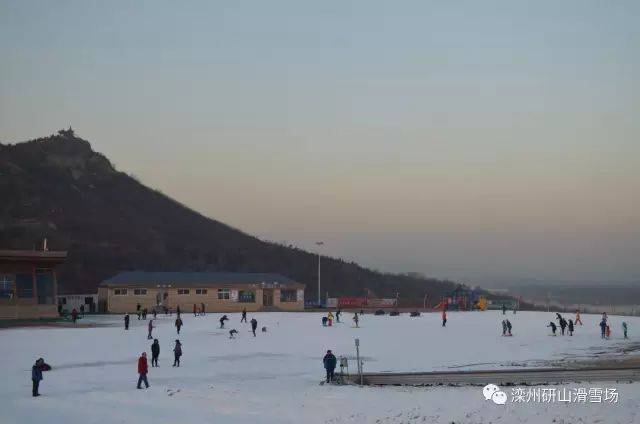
(274, 378)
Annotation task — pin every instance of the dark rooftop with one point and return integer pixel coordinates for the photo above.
(144, 278)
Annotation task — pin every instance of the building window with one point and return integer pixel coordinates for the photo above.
(246, 296)
(201, 291)
(24, 285)
(120, 292)
(139, 292)
(224, 294)
(183, 291)
(288, 295)
(6, 286)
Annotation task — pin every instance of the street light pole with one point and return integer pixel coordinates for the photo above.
(319, 243)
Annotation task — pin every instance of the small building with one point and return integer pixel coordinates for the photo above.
(28, 283)
(69, 302)
(218, 291)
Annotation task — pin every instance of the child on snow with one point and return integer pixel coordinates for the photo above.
(553, 327)
(155, 352)
(149, 337)
(509, 328)
(624, 329)
(603, 328)
(222, 320)
(254, 326)
(578, 320)
(232, 333)
(178, 324)
(571, 327)
(356, 319)
(177, 353)
(504, 328)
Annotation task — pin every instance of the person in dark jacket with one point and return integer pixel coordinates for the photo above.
(155, 353)
(74, 315)
(222, 320)
(504, 327)
(504, 309)
(553, 327)
(149, 336)
(338, 313)
(195, 310)
(82, 310)
(143, 369)
(509, 327)
(244, 315)
(155, 313)
(126, 321)
(444, 317)
(603, 328)
(178, 310)
(254, 326)
(178, 324)
(571, 327)
(324, 321)
(177, 353)
(202, 309)
(36, 376)
(563, 325)
(356, 319)
(329, 362)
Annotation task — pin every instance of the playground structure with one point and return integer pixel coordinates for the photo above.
(463, 299)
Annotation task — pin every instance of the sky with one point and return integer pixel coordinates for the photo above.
(474, 140)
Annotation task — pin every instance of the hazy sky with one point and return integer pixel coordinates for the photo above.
(469, 139)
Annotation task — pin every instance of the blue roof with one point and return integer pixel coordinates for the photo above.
(145, 278)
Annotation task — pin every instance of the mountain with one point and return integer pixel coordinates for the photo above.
(59, 188)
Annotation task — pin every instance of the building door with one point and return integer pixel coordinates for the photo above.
(44, 285)
(267, 297)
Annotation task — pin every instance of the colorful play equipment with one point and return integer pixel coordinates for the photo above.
(463, 299)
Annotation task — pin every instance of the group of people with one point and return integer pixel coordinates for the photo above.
(570, 325)
(506, 327)
(143, 367)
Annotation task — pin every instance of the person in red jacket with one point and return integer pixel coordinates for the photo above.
(142, 370)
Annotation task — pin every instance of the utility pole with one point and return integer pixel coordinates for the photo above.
(319, 243)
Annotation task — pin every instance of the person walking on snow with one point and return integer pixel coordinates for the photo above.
(444, 317)
(563, 325)
(553, 327)
(509, 328)
(356, 319)
(330, 318)
(178, 324)
(504, 327)
(338, 313)
(603, 328)
(126, 321)
(36, 376)
(571, 327)
(155, 353)
(329, 362)
(254, 326)
(244, 315)
(578, 320)
(504, 309)
(177, 353)
(143, 369)
(149, 337)
(624, 329)
(222, 320)
(324, 321)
